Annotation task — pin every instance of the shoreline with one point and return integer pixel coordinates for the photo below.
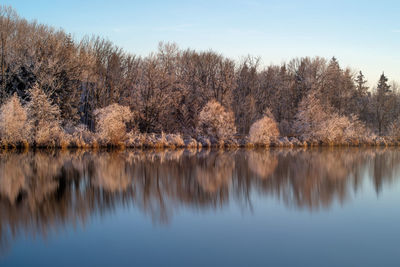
(194, 144)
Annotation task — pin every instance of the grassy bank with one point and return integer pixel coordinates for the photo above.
(176, 141)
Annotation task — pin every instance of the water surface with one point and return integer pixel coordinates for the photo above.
(291, 207)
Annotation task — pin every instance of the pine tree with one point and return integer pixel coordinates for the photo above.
(361, 87)
(383, 86)
(361, 98)
(331, 89)
(382, 107)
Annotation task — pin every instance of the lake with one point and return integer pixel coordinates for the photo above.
(283, 207)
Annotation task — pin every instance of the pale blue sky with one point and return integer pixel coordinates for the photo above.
(361, 34)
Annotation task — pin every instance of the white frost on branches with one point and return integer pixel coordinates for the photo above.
(215, 122)
(394, 129)
(314, 122)
(14, 124)
(44, 117)
(263, 131)
(111, 123)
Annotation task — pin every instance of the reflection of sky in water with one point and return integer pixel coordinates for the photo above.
(239, 208)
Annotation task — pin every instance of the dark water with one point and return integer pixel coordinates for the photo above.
(323, 207)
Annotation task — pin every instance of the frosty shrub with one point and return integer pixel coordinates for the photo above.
(340, 129)
(394, 129)
(175, 140)
(263, 131)
(44, 117)
(14, 124)
(317, 123)
(51, 135)
(111, 123)
(333, 129)
(80, 136)
(215, 122)
(357, 131)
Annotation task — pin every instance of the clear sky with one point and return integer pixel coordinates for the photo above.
(361, 34)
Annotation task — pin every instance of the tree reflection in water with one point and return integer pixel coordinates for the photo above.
(44, 191)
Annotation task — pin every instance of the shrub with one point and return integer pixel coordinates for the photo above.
(317, 123)
(332, 129)
(339, 129)
(80, 136)
(215, 122)
(263, 131)
(357, 131)
(51, 135)
(175, 140)
(14, 124)
(111, 123)
(394, 129)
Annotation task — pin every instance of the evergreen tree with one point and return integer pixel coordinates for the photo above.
(331, 89)
(361, 98)
(361, 87)
(382, 107)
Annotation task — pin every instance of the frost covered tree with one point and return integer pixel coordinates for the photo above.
(44, 117)
(215, 122)
(111, 123)
(264, 130)
(14, 124)
(309, 117)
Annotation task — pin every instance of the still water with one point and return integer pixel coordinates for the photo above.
(292, 207)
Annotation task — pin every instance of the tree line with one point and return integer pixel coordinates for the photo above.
(166, 91)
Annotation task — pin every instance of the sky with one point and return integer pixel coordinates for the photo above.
(363, 35)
